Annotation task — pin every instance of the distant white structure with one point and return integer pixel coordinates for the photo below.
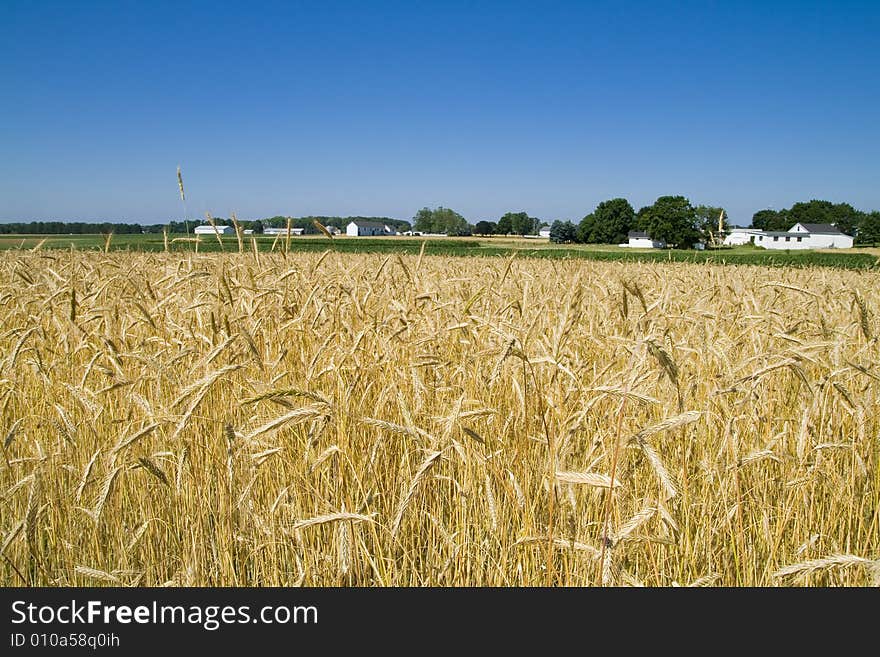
(739, 235)
(333, 230)
(360, 228)
(283, 231)
(207, 229)
(638, 239)
(805, 236)
(544, 231)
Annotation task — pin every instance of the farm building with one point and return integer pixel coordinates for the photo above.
(739, 235)
(207, 229)
(544, 231)
(367, 228)
(638, 239)
(805, 236)
(283, 231)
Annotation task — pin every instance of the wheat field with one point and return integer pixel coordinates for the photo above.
(253, 419)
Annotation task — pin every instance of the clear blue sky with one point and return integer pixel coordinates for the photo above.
(381, 108)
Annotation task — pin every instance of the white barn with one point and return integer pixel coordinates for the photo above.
(207, 229)
(805, 236)
(638, 239)
(544, 231)
(283, 230)
(361, 228)
(739, 235)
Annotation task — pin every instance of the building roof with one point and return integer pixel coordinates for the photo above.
(637, 234)
(209, 228)
(368, 224)
(821, 229)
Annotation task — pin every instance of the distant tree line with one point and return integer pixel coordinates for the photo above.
(66, 227)
(185, 225)
(305, 223)
(671, 219)
(510, 223)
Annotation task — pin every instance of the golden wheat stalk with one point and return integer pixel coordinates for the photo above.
(587, 479)
(216, 230)
(667, 480)
(277, 393)
(106, 487)
(137, 536)
(328, 518)
(412, 432)
(85, 476)
(425, 466)
(323, 456)
(317, 224)
(205, 382)
(669, 423)
(237, 232)
(180, 184)
(634, 523)
(806, 568)
(94, 573)
(150, 466)
(295, 416)
(126, 441)
(561, 543)
(490, 503)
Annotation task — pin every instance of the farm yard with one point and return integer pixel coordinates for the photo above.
(386, 419)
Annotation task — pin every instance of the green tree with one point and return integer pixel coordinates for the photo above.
(869, 229)
(771, 220)
(609, 223)
(450, 222)
(707, 223)
(584, 230)
(440, 220)
(842, 215)
(562, 232)
(671, 219)
(423, 221)
(518, 223)
(485, 228)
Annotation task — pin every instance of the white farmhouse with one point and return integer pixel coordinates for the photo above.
(207, 229)
(544, 231)
(361, 228)
(638, 239)
(805, 236)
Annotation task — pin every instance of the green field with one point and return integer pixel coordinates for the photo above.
(863, 258)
